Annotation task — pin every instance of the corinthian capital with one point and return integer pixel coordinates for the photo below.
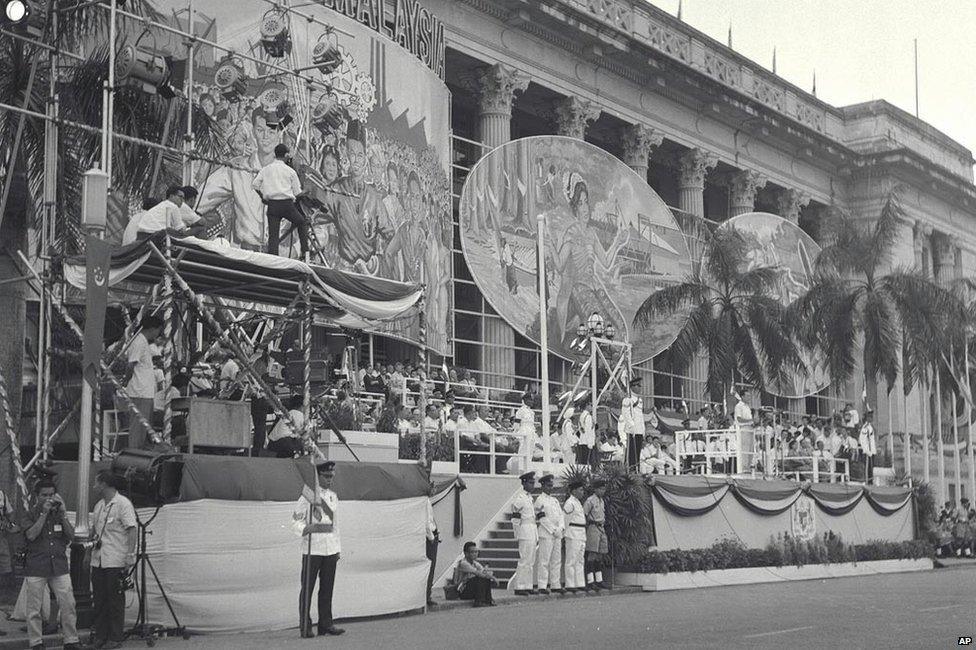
(496, 86)
(637, 142)
(743, 186)
(573, 116)
(693, 165)
(790, 202)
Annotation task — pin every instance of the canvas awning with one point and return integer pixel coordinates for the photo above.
(218, 270)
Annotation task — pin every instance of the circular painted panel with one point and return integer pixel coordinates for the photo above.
(609, 241)
(774, 241)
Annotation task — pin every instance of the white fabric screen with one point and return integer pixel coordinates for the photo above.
(235, 565)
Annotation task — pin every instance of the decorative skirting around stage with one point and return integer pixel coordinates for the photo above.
(696, 511)
(229, 560)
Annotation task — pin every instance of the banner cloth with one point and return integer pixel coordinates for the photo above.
(234, 566)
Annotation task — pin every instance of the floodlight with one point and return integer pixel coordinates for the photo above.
(595, 323)
(275, 35)
(610, 331)
(327, 54)
(15, 11)
(328, 115)
(230, 78)
(145, 66)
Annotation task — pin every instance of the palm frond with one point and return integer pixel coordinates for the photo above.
(757, 281)
(690, 292)
(887, 229)
(882, 342)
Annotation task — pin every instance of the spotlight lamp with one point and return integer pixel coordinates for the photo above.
(610, 331)
(275, 35)
(15, 12)
(230, 78)
(145, 66)
(328, 115)
(19, 16)
(274, 103)
(327, 54)
(582, 330)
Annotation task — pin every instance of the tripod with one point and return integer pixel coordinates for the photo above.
(142, 629)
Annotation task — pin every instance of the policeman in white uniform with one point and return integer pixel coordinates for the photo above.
(314, 518)
(637, 426)
(575, 534)
(549, 560)
(587, 436)
(526, 533)
(525, 431)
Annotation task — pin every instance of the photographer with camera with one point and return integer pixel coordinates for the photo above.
(113, 556)
(49, 533)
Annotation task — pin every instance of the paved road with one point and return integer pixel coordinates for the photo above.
(916, 610)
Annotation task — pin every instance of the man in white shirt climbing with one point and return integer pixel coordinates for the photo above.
(278, 186)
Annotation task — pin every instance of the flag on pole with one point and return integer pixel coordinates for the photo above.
(98, 256)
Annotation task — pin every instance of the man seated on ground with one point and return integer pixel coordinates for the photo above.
(283, 440)
(474, 579)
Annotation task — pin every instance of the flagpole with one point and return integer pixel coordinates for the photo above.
(543, 339)
(955, 430)
(940, 455)
(969, 422)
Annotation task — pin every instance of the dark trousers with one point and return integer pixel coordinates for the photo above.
(259, 418)
(476, 589)
(323, 569)
(279, 209)
(286, 447)
(432, 556)
(584, 455)
(108, 600)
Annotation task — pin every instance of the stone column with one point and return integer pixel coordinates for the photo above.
(693, 165)
(943, 257)
(636, 144)
(496, 87)
(743, 188)
(789, 203)
(573, 116)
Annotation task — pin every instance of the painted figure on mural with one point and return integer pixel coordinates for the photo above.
(609, 240)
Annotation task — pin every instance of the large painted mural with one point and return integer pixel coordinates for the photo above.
(609, 240)
(774, 241)
(370, 138)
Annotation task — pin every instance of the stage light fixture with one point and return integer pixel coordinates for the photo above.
(327, 54)
(610, 331)
(15, 12)
(581, 331)
(144, 66)
(328, 115)
(275, 35)
(230, 78)
(274, 103)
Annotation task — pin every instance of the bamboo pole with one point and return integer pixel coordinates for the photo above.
(8, 423)
(940, 459)
(307, 358)
(168, 300)
(955, 431)
(969, 425)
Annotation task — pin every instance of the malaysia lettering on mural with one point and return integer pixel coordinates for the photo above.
(406, 22)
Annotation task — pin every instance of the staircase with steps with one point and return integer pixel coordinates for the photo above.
(499, 550)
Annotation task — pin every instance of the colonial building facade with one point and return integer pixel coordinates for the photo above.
(715, 135)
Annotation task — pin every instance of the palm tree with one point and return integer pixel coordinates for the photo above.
(858, 302)
(25, 75)
(734, 318)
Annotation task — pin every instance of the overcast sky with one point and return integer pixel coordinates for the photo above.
(860, 49)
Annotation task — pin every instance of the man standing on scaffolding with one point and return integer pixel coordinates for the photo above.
(140, 380)
(278, 186)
